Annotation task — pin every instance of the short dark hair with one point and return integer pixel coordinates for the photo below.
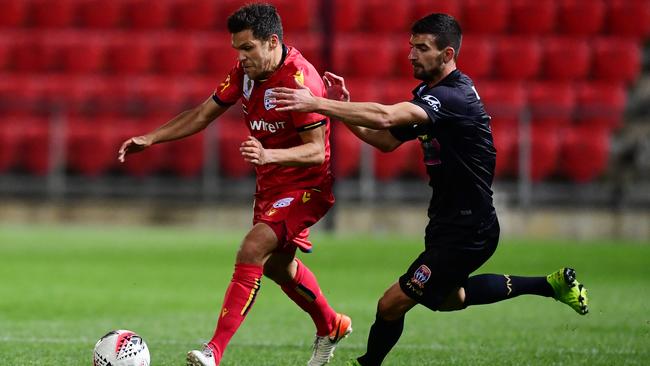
(262, 19)
(443, 27)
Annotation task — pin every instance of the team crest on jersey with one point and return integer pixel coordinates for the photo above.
(421, 275)
(247, 89)
(432, 101)
(269, 103)
(300, 77)
(225, 84)
(284, 202)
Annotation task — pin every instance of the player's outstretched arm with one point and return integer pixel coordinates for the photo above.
(185, 124)
(381, 139)
(366, 114)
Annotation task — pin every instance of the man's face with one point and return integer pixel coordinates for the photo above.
(255, 56)
(426, 58)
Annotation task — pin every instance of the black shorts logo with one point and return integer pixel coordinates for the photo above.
(421, 276)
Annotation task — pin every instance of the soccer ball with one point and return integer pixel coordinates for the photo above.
(121, 348)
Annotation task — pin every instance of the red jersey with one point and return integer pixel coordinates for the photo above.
(279, 130)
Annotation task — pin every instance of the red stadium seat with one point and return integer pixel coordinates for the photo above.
(10, 134)
(53, 14)
(386, 16)
(130, 54)
(143, 164)
(422, 8)
(35, 146)
(519, 58)
(544, 152)
(403, 65)
(217, 55)
(391, 91)
(578, 17)
(616, 59)
(601, 104)
(532, 17)
(34, 53)
(556, 53)
(84, 54)
(14, 13)
(475, 57)
(352, 57)
(195, 14)
(230, 134)
(146, 14)
(90, 149)
(551, 104)
(6, 48)
(480, 16)
(310, 46)
(177, 54)
(362, 89)
(297, 16)
(185, 157)
(347, 15)
(629, 18)
(346, 151)
(585, 153)
(103, 14)
(504, 102)
(505, 141)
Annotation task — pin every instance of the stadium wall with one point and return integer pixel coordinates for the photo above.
(578, 224)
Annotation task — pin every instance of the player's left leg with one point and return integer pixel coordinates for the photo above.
(301, 286)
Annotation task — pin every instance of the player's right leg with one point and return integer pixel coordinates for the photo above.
(255, 249)
(301, 286)
(568, 290)
(388, 326)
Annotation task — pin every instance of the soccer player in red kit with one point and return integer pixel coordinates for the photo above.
(291, 153)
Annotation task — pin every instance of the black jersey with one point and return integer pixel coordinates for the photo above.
(458, 152)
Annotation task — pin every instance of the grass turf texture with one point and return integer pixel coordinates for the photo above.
(61, 288)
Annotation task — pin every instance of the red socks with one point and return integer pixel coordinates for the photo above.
(239, 299)
(305, 292)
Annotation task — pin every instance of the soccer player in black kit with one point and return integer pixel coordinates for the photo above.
(448, 118)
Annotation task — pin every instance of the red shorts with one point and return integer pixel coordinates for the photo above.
(291, 213)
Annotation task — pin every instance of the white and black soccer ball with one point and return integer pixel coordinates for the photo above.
(121, 348)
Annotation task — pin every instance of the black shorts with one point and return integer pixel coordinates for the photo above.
(447, 262)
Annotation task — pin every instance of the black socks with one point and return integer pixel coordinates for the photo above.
(383, 336)
(489, 288)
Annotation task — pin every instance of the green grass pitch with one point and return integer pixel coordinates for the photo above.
(61, 288)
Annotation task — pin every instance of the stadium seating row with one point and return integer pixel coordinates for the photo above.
(619, 17)
(579, 153)
(142, 14)
(549, 103)
(176, 53)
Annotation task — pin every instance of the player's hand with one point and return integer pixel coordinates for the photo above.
(336, 89)
(253, 151)
(300, 99)
(133, 145)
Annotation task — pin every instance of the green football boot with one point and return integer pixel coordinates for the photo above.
(568, 290)
(352, 363)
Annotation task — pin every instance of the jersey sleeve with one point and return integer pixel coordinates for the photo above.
(404, 132)
(439, 104)
(310, 78)
(230, 89)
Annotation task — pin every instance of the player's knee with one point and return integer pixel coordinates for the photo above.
(390, 309)
(249, 253)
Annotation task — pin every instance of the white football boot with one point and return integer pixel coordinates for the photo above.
(324, 346)
(204, 357)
